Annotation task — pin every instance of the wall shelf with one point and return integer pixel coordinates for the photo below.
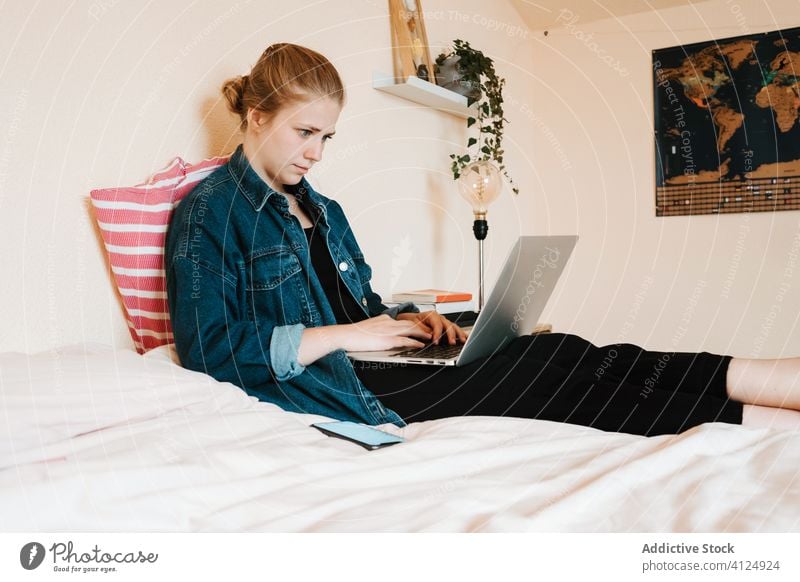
(424, 93)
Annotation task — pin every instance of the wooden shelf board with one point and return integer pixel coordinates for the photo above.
(424, 93)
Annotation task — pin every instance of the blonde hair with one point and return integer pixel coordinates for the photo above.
(285, 74)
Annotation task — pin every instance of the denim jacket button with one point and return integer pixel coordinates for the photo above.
(343, 266)
(364, 301)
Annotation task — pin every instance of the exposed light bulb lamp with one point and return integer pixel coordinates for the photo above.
(479, 184)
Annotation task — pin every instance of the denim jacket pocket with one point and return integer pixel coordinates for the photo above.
(363, 269)
(273, 285)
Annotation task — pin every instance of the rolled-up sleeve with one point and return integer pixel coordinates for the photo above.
(211, 335)
(283, 348)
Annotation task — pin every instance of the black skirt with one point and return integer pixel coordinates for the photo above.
(564, 378)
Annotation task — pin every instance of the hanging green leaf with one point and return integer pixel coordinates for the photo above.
(477, 70)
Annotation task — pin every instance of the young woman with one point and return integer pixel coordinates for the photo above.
(268, 288)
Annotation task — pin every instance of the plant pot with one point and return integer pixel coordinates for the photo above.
(448, 76)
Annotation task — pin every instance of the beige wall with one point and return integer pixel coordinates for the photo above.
(722, 283)
(105, 92)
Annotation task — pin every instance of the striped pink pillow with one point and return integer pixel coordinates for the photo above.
(133, 222)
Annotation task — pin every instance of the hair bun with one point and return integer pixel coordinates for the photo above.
(233, 91)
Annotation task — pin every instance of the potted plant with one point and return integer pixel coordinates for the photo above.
(469, 72)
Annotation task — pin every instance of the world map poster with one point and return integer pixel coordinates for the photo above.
(726, 125)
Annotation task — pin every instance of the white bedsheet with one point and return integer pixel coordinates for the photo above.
(98, 439)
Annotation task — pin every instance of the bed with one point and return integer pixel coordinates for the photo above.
(123, 439)
(102, 439)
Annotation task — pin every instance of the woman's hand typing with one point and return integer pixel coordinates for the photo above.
(383, 333)
(437, 325)
(373, 334)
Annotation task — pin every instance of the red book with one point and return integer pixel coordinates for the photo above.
(431, 296)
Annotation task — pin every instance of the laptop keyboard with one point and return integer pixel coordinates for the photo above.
(432, 351)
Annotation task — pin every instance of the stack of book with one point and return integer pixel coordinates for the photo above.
(456, 306)
(432, 296)
(450, 303)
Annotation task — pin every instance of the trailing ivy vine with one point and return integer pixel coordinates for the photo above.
(477, 73)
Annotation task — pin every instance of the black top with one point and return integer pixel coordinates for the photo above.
(345, 308)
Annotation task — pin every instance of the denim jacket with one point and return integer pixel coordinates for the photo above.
(241, 290)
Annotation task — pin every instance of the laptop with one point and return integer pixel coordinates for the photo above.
(512, 309)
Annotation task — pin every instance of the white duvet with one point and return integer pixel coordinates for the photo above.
(106, 440)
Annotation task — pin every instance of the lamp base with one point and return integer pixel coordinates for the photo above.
(480, 228)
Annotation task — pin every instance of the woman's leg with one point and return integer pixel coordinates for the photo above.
(699, 373)
(517, 383)
(773, 383)
(769, 389)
